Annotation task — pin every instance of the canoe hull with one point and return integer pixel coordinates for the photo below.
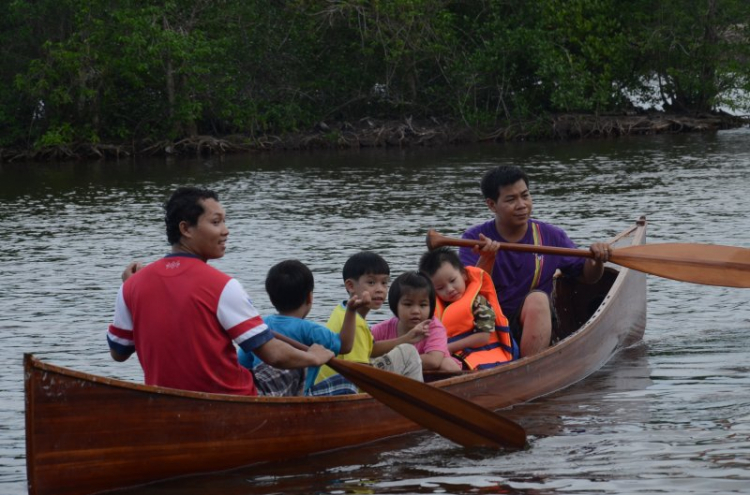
(87, 434)
(91, 436)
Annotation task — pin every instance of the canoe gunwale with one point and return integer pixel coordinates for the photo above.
(188, 394)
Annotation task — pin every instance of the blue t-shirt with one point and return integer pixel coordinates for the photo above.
(304, 331)
(515, 274)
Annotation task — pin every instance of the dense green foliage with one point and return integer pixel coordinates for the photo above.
(126, 70)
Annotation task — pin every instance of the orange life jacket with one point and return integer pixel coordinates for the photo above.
(458, 319)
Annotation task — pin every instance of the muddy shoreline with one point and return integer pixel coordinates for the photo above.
(379, 133)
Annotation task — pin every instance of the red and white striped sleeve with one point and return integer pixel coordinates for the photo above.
(120, 333)
(240, 319)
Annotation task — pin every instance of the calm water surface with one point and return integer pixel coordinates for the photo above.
(670, 415)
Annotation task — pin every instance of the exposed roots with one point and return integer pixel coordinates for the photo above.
(586, 126)
(62, 153)
(580, 126)
(373, 133)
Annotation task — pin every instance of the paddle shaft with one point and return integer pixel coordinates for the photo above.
(455, 418)
(707, 264)
(435, 240)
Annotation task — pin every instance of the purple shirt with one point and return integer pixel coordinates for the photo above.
(436, 340)
(513, 272)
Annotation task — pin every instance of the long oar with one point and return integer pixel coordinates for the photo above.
(456, 419)
(707, 264)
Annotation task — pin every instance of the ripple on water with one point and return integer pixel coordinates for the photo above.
(671, 416)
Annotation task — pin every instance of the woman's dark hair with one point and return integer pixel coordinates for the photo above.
(431, 261)
(365, 263)
(409, 282)
(288, 283)
(504, 175)
(184, 206)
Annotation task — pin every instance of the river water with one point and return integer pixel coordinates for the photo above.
(669, 415)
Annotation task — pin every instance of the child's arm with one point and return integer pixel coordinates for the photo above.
(436, 355)
(473, 340)
(432, 360)
(349, 325)
(449, 364)
(416, 334)
(484, 325)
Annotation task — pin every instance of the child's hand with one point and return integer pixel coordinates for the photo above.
(130, 270)
(418, 333)
(355, 302)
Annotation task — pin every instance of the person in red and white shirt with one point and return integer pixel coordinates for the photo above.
(181, 316)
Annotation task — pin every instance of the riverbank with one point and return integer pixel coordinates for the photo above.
(378, 133)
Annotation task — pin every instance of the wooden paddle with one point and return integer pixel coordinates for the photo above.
(456, 419)
(706, 264)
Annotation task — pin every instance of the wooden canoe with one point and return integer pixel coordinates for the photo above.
(86, 434)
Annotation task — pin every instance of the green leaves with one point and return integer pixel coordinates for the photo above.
(696, 52)
(125, 70)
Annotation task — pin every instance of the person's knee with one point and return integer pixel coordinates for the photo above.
(537, 303)
(536, 313)
(408, 351)
(411, 360)
(409, 355)
(536, 319)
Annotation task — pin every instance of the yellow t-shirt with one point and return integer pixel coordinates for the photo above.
(363, 341)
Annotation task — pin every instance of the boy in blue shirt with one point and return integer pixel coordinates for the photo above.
(290, 285)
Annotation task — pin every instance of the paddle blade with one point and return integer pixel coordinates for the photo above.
(706, 264)
(453, 417)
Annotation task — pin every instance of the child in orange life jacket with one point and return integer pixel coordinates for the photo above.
(411, 297)
(478, 332)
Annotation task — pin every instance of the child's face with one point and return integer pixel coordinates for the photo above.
(413, 307)
(449, 283)
(376, 285)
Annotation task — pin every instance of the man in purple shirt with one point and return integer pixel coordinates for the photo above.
(523, 281)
